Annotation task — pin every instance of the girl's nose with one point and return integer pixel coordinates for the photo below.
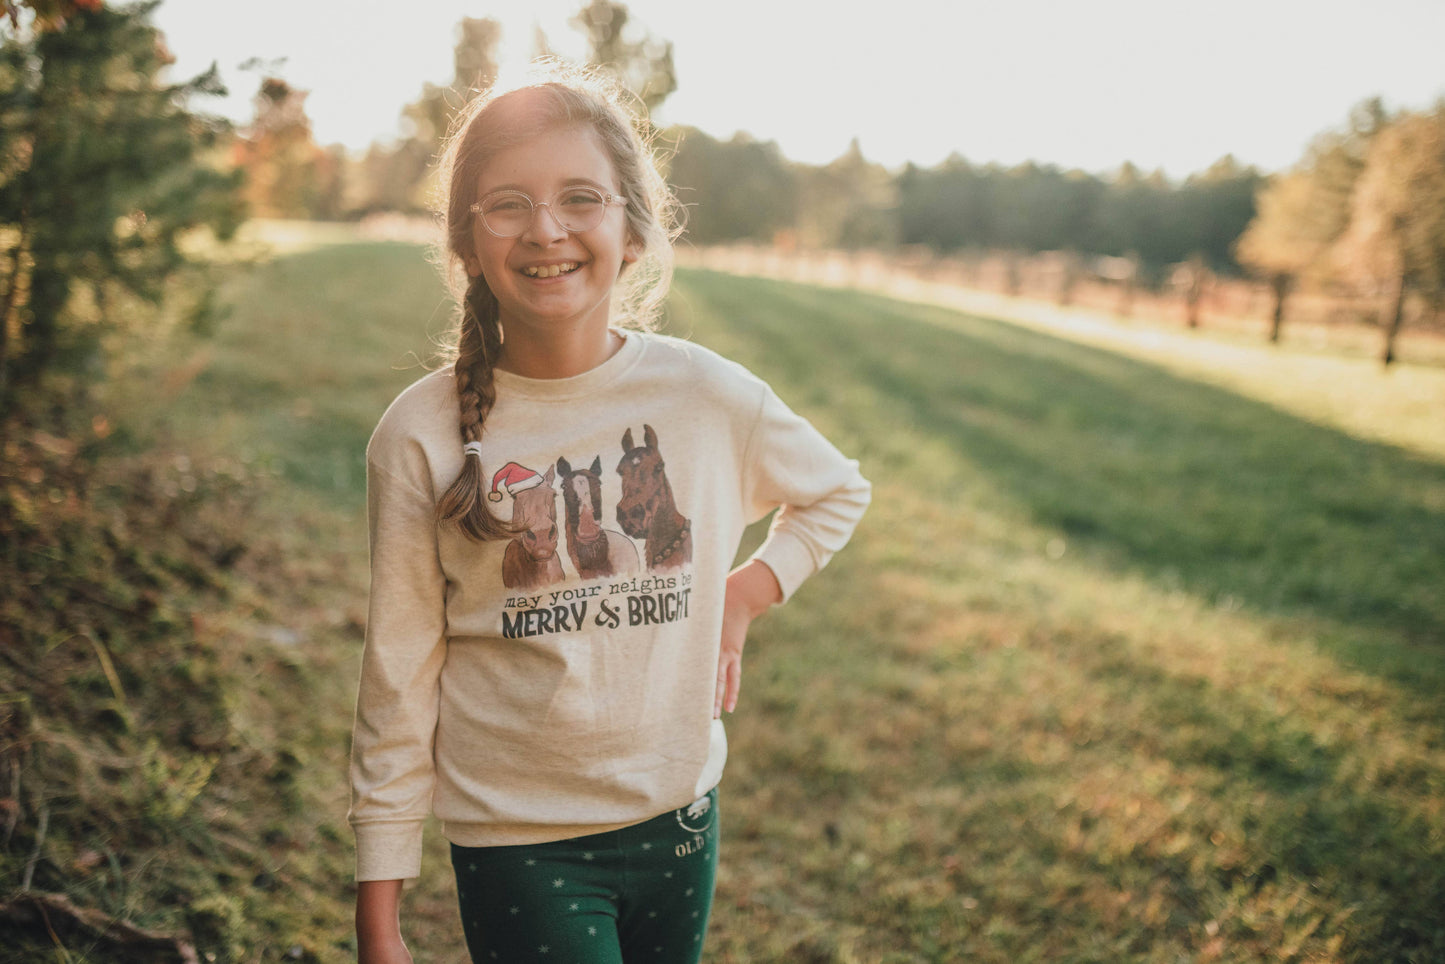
(545, 228)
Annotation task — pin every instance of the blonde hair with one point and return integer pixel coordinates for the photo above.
(560, 95)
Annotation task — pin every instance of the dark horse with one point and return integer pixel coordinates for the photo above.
(647, 510)
(595, 551)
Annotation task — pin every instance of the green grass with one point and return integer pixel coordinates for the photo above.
(1121, 665)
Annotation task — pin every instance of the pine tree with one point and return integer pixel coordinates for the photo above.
(101, 174)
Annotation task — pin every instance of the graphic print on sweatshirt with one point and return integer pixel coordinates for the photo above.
(637, 577)
(647, 510)
(595, 551)
(531, 557)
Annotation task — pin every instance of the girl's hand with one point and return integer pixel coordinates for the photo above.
(378, 923)
(751, 589)
(382, 951)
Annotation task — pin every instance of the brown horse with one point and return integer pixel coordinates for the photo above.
(595, 551)
(647, 510)
(531, 557)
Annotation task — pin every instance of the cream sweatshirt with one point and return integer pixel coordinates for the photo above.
(561, 682)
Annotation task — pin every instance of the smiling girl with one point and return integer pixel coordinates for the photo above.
(549, 684)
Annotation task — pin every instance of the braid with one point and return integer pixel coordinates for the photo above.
(479, 342)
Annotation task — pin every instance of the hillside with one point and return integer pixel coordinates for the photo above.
(1124, 664)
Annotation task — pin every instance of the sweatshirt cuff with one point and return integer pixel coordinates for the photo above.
(790, 559)
(388, 851)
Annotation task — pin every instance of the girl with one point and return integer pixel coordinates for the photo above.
(553, 631)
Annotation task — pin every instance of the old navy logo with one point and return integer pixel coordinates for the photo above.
(696, 818)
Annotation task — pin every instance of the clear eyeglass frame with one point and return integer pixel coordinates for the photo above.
(572, 218)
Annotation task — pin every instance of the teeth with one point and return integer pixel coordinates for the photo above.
(549, 270)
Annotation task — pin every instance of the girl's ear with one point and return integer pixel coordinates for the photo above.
(632, 250)
(474, 267)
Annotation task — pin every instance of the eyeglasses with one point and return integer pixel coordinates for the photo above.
(508, 214)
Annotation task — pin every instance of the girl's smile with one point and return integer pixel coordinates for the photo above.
(550, 270)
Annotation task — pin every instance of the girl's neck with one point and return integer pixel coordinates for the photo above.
(557, 356)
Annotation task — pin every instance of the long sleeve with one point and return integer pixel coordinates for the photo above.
(821, 493)
(392, 766)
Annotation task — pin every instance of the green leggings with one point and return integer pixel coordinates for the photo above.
(639, 894)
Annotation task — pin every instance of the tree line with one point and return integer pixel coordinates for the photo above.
(1361, 215)
(958, 205)
(106, 169)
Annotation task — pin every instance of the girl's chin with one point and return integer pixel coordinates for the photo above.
(543, 318)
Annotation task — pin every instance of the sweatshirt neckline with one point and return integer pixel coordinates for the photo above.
(557, 389)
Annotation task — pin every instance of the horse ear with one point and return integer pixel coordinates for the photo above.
(547, 479)
(649, 437)
(597, 465)
(627, 445)
(563, 467)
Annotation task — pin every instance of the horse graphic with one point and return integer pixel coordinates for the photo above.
(531, 557)
(647, 510)
(595, 551)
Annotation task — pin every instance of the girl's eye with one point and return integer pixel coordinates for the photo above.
(506, 205)
(580, 199)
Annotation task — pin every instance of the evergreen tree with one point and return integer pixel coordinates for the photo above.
(101, 174)
(849, 203)
(739, 188)
(44, 14)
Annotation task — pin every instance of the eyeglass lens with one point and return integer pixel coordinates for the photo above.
(510, 213)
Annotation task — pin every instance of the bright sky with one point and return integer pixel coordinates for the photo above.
(1162, 83)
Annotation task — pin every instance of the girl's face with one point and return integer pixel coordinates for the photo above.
(548, 280)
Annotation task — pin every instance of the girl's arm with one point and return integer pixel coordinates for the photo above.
(819, 493)
(398, 696)
(378, 923)
(820, 496)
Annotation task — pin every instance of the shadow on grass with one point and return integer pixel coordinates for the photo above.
(1310, 819)
(1189, 485)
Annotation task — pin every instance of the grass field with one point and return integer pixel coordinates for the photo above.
(1123, 664)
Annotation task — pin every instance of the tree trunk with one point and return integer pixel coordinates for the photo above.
(7, 304)
(1279, 286)
(1068, 280)
(1395, 319)
(1125, 307)
(1192, 296)
(1012, 282)
(1194, 290)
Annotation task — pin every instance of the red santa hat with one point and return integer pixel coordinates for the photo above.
(513, 478)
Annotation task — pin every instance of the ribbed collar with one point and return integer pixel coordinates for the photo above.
(592, 380)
